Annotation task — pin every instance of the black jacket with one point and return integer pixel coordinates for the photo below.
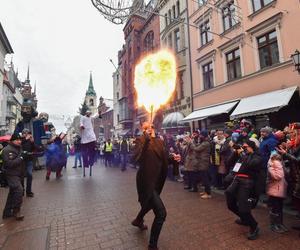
(13, 164)
(153, 159)
(251, 165)
(28, 146)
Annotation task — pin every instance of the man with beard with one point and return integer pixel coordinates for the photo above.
(35, 126)
(152, 158)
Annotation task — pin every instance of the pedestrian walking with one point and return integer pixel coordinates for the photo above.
(13, 165)
(108, 153)
(152, 157)
(77, 151)
(88, 141)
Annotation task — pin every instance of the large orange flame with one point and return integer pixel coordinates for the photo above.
(155, 80)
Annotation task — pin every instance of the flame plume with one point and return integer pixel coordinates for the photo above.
(155, 80)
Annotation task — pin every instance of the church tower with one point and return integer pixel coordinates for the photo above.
(91, 97)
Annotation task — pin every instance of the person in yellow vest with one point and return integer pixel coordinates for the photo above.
(108, 148)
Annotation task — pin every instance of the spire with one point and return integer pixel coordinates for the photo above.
(91, 90)
(27, 78)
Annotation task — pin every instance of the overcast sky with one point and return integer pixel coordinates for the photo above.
(62, 40)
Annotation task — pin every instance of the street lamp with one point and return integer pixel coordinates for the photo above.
(296, 60)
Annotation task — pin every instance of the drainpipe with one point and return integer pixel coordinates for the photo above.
(190, 60)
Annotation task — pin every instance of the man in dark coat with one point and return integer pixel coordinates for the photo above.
(13, 165)
(152, 158)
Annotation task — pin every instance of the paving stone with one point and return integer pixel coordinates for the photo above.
(95, 213)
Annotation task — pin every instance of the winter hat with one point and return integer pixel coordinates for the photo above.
(267, 130)
(204, 133)
(15, 137)
(251, 144)
(257, 143)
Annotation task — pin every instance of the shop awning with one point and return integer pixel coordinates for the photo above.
(264, 103)
(173, 120)
(203, 113)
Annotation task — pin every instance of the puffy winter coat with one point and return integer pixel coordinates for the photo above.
(198, 156)
(267, 145)
(276, 183)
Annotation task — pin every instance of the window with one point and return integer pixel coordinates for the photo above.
(149, 41)
(117, 95)
(181, 86)
(205, 34)
(174, 11)
(177, 40)
(228, 15)
(202, 2)
(91, 102)
(208, 79)
(268, 49)
(233, 63)
(170, 16)
(170, 41)
(259, 4)
(178, 8)
(166, 20)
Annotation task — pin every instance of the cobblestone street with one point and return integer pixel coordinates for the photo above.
(95, 213)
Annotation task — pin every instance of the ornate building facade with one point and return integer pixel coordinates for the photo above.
(141, 35)
(174, 35)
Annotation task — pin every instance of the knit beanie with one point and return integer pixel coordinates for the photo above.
(267, 130)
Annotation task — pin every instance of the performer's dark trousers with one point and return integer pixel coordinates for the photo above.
(88, 153)
(154, 203)
(15, 195)
(237, 195)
